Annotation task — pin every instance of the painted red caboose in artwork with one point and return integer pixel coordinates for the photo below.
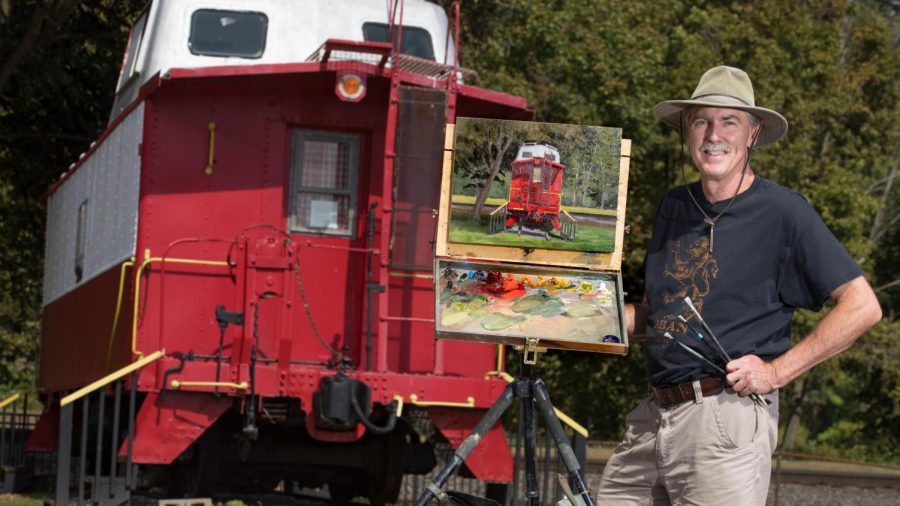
(264, 220)
(535, 189)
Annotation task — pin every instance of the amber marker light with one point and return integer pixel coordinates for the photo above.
(350, 87)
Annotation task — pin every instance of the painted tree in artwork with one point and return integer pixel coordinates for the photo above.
(484, 149)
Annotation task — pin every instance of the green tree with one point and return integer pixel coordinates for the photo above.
(58, 65)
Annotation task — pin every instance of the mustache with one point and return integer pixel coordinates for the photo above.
(715, 146)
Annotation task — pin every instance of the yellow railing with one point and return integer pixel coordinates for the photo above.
(498, 208)
(115, 325)
(212, 148)
(181, 384)
(109, 378)
(9, 400)
(470, 403)
(137, 287)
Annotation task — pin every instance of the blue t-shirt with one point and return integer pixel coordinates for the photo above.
(771, 254)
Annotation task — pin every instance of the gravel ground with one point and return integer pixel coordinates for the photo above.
(824, 495)
(789, 494)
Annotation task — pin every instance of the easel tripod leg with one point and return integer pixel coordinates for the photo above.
(459, 456)
(526, 393)
(539, 392)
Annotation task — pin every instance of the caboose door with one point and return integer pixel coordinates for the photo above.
(324, 220)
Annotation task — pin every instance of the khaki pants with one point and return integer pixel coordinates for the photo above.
(716, 450)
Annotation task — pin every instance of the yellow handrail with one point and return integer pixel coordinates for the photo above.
(237, 386)
(137, 287)
(112, 333)
(498, 208)
(9, 400)
(470, 402)
(212, 147)
(399, 399)
(109, 378)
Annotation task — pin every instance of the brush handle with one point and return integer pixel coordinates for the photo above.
(695, 353)
(715, 349)
(707, 329)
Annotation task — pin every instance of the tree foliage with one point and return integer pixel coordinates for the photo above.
(58, 66)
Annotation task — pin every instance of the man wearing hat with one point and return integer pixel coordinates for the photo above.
(745, 252)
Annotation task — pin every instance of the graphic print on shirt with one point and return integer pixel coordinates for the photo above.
(692, 270)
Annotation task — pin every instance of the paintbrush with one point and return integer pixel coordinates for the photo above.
(695, 353)
(708, 330)
(756, 397)
(701, 338)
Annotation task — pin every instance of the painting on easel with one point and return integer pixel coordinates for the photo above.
(535, 185)
(501, 303)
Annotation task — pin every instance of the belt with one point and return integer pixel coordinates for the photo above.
(672, 395)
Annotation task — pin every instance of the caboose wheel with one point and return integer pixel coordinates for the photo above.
(198, 474)
(386, 475)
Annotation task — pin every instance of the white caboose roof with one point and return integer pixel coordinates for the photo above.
(537, 150)
(168, 34)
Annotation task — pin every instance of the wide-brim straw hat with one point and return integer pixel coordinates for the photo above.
(730, 88)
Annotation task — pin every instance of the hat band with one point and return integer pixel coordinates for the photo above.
(722, 95)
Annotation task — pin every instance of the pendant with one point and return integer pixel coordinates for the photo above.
(712, 231)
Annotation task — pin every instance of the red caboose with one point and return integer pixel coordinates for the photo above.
(257, 228)
(535, 189)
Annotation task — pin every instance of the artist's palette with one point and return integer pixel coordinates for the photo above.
(562, 308)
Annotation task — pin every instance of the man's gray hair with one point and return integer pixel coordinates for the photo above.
(752, 118)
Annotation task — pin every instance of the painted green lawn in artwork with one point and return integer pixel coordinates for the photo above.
(587, 238)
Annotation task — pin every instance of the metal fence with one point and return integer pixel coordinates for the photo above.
(16, 424)
(102, 431)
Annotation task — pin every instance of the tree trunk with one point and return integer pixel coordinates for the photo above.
(29, 40)
(498, 152)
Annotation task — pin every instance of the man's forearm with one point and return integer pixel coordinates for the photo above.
(636, 319)
(856, 310)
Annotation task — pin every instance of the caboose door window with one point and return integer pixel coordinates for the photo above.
(324, 171)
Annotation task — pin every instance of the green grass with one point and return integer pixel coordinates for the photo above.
(587, 237)
(22, 500)
(491, 201)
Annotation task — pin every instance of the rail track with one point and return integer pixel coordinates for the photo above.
(803, 473)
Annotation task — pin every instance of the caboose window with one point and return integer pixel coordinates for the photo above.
(414, 42)
(536, 175)
(228, 33)
(80, 239)
(129, 63)
(323, 182)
